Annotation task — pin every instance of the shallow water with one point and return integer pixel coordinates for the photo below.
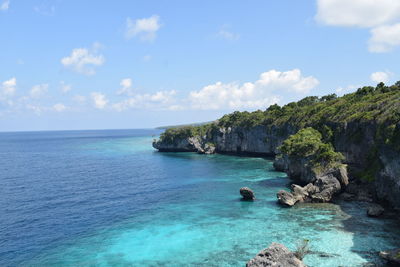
(106, 198)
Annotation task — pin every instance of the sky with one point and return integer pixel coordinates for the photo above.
(68, 65)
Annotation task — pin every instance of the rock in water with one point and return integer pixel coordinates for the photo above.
(375, 210)
(392, 256)
(286, 198)
(247, 193)
(275, 255)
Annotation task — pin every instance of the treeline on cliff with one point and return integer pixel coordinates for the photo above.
(379, 105)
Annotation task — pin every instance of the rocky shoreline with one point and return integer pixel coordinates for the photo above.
(385, 188)
(330, 147)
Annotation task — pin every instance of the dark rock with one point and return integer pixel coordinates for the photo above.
(327, 185)
(387, 183)
(324, 186)
(375, 210)
(361, 192)
(276, 255)
(247, 193)
(347, 196)
(392, 256)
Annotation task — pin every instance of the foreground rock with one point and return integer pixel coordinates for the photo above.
(247, 193)
(392, 256)
(375, 210)
(275, 255)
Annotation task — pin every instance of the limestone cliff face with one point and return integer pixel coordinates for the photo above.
(387, 182)
(356, 141)
(260, 140)
(190, 144)
(255, 140)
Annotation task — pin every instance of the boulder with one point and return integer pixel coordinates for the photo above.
(247, 193)
(275, 255)
(392, 256)
(286, 198)
(326, 187)
(375, 210)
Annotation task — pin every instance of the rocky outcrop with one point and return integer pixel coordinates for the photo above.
(392, 256)
(247, 193)
(320, 185)
(275, 255)
(322, 190)
(288, 199)
(190, 144)
(375, 210)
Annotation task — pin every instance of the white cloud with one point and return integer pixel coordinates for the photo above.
(45, 10)
(39, 90)
(59, 107)
(65, 88)
(5, 5)
(80, 99)
(126, 85)
(145, 29)
(83, 60)
(381, 16)
(359, 13)
(384, 38)
(9, 87)
(228, 35)
(99, 100)
(36, 109)
(159, 100)
(380, 76)
(258, 94)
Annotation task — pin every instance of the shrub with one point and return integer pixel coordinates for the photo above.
(308, 143)
(302, 249)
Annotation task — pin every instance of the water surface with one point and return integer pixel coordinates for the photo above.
(106, 198)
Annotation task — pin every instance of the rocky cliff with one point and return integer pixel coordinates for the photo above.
(363, 126)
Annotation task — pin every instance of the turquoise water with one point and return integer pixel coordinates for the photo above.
(106, 198)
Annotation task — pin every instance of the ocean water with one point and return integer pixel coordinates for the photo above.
(107, 198)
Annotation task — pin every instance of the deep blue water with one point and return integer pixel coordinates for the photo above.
(106, 198)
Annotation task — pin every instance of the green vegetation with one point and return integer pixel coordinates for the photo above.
(302, 249)
(172, 135)
(380, 103)
(307, 143)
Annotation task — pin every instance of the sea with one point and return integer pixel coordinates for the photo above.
(107, 198)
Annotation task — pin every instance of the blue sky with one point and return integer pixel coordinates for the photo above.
(140, 64)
